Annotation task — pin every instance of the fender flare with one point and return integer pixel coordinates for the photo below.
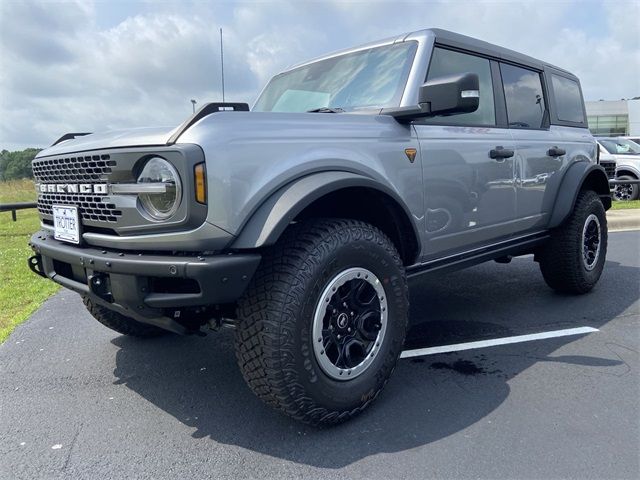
(628, 168)
(272, 217)
(579, 175)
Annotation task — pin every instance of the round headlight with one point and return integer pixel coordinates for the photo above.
(160, 205)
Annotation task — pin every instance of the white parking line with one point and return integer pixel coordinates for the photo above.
(496, 341)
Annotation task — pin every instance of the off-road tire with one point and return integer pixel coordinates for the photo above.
(120, 323)
(561, 259)
(626, 193)
(273, 339)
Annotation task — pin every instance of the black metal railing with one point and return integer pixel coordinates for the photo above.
(14, 207)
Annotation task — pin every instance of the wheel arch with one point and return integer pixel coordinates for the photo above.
(580, 176)
(626, 171)
(333, 194)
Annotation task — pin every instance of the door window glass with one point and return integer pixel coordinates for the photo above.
(447, 62)
(524, 97)
(568, 99)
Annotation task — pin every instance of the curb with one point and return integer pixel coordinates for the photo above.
(623, 220)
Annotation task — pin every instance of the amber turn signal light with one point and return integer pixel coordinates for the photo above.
(200, 176)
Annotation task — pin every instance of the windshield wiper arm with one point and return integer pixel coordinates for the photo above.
(326, 110)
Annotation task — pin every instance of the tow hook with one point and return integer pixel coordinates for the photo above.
(35, 264)
(99, 285)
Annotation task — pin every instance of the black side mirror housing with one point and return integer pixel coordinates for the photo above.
(452, 94)
(449, 95)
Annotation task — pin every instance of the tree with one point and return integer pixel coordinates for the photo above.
(14, 165)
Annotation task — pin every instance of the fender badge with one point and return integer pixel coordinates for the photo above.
(411, 154)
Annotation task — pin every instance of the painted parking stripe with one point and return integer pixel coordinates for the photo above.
(457, 347)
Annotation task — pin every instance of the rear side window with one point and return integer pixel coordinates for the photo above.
(447, 62)
(524, 97)
(568, 99)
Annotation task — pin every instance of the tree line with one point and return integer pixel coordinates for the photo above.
(15, 165)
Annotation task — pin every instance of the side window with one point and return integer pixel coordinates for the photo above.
(568, 99)
(447, 62)
(524, 97)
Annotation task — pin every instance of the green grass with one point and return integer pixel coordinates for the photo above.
(625, 205)
(17, 191)
(21, 291)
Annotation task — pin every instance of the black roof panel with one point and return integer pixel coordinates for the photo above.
(457, 40)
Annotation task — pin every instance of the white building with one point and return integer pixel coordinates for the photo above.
(613, 118)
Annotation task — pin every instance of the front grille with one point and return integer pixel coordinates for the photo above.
(610, 168)
(80, 169)
(72, 179)
(90, 207)
(77, 169)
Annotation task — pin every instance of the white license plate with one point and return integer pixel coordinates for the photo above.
(66, 226)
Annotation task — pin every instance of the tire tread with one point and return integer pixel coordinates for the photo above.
(560, 259)
(264, 343)
(121, 323)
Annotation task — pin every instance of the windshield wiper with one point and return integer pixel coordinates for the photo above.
(326, 110)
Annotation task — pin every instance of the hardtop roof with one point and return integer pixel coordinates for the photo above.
(453, 39)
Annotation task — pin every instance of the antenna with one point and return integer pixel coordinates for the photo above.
(222, 63)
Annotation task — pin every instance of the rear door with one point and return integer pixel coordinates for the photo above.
(540, 151)
(468, 163)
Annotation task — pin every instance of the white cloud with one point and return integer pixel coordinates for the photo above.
(79, 66)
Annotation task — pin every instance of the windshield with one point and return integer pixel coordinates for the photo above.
(620, 146)
(364, 79)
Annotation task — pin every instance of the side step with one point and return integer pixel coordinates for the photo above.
(500, 252)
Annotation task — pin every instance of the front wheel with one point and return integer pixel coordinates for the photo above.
(322, 324)
(628, 192)
(573, 260)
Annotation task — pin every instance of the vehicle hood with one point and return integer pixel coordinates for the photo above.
(231, 127)
(626, 160)
(134, 137)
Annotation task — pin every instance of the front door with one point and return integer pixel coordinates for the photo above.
(468, 166)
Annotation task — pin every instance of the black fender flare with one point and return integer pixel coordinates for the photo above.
(579, 175)
(272, 217)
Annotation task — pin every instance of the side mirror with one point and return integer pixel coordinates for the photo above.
(451, 94)
(442, 96)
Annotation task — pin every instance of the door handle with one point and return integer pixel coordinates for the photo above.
(500, 153)
(556, 152)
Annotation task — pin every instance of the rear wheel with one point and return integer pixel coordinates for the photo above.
(322, 324)
(628, 192)
(120, 323)
(573, 260)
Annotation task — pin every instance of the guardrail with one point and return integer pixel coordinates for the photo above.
(14, 207)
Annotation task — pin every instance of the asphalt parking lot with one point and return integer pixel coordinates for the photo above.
(79, 401)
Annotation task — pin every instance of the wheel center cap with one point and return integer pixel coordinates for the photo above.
(342, 320)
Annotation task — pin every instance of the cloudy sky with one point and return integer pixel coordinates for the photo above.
(95, 65)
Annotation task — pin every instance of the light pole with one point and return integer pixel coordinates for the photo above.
(222, 64)
(193, 104)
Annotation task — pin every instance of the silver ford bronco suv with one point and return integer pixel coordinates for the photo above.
(299, 222)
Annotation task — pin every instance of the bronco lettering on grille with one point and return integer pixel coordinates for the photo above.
(95, 188)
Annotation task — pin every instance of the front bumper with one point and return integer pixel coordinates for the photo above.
(143, 286)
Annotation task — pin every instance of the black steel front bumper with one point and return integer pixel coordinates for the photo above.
(143, 286)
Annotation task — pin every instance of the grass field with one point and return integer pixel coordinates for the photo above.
(625, 205)
(21, 291)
